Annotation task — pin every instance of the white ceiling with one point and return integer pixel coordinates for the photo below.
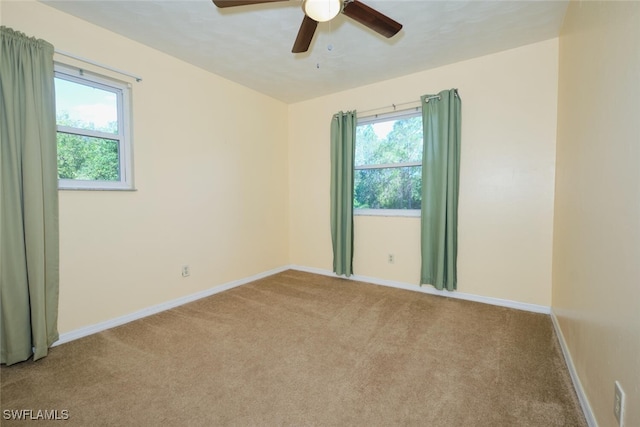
(251, 45)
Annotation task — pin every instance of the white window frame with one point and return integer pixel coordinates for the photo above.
(403, 114)
(122, 90)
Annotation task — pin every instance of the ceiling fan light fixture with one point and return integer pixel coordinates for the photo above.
(322, 10)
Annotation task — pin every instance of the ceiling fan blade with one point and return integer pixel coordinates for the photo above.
(234, 3)
(371, 18)
(305, 35)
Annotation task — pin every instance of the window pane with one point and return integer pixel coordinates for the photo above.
(390, 141)
(388, 188)
(86, 107)
(87, 158)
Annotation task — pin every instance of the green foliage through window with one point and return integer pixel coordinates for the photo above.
(86, 158)
(92, 118)
(388, 164)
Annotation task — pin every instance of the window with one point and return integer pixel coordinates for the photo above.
(92, 117)
(388, 164)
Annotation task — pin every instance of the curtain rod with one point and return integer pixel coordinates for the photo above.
(395, 106)
(98, 64)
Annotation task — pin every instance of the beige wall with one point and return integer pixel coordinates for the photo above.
(596, 256)
(212, 190)
(507, 176)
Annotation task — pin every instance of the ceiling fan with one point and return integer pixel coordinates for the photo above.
(324, 10)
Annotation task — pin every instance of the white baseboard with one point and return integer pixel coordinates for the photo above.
(112, 323)
(433, 291)
(577, 384)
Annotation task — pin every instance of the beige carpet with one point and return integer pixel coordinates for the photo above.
(302, 349)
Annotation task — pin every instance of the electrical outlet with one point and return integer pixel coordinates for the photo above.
(391, 259)
(186, 271)
(618, 404)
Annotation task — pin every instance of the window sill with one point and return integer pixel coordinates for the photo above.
(95, 189)
(410, 213)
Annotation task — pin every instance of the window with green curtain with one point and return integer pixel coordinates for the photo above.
(441, 123)
(28, 198)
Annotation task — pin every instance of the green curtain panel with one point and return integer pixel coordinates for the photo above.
(343, 137)
(29, 267)
(440, 184)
